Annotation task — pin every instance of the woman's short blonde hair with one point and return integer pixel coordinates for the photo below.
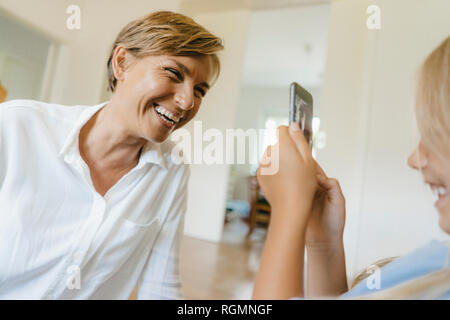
(165, 32)
(433, 100)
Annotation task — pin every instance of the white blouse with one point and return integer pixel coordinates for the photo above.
(59, 238)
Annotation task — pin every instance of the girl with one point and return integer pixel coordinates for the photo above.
(308, 210)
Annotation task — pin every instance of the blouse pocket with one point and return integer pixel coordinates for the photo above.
(119, 261)
(140, 226)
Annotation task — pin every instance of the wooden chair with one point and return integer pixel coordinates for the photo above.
(259, 207)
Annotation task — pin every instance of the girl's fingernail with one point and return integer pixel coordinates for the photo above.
(294, 126)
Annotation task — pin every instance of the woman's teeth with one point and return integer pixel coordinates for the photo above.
(167, 115)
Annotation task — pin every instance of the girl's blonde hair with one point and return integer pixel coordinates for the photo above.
(433, 100)
(165, 32)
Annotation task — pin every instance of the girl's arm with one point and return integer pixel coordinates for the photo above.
(308, 209)
(326, 272)
(280, 275)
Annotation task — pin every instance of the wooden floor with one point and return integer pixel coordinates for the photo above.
(224, 270)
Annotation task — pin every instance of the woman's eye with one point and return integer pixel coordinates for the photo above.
(176, 73)
(179, 77)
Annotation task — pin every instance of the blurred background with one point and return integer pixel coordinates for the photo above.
(362, 81)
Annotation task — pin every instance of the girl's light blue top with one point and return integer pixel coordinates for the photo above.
(429, 258)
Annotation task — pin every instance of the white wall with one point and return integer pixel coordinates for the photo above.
(367, 114)
(208, 183)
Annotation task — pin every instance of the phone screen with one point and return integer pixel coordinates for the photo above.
(301, 110)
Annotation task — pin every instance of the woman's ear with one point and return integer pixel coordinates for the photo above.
(119, 63)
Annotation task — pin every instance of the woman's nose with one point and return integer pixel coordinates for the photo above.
(416, 160)
(185, 99)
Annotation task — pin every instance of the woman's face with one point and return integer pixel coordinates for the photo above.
(160, 94)
(436, 173)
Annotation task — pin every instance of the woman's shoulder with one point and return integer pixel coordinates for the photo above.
(21, 109)
(34, 123)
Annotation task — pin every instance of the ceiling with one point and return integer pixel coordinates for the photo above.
(220, 5)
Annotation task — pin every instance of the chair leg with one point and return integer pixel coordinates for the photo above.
(251, 223)
(250, 230)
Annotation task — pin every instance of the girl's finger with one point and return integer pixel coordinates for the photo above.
(286, 142)
(300, 141)
(331, 185)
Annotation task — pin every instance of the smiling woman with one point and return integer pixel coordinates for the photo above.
(111, 215)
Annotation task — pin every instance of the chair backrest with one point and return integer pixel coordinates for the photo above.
(253, 189)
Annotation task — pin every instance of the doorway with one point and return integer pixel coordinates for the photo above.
(24, 56)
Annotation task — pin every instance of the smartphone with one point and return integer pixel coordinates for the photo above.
(301, 110)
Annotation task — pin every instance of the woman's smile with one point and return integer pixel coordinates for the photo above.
(167, 114)
(163, 120)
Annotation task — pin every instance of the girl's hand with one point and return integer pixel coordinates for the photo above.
(327, 219)
(290, 190)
